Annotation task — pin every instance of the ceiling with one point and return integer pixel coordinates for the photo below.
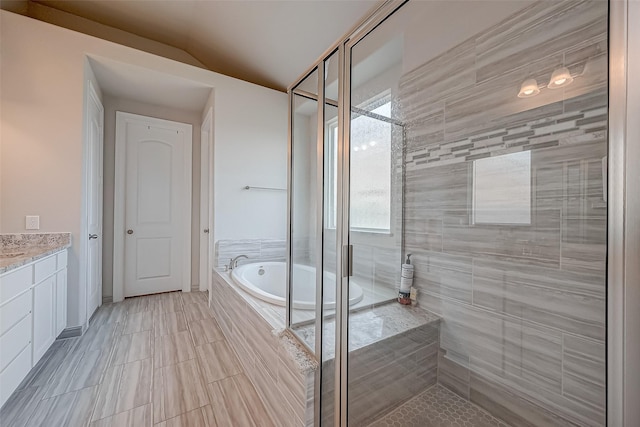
(267, 42)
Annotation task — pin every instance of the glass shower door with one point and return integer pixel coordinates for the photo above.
(379, 371)
(479, 147)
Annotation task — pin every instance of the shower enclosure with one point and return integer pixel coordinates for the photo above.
(472, 135)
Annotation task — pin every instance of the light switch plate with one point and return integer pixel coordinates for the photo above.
(32, 222)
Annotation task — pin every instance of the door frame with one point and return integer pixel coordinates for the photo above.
(623, 209)
(206, 201)
(90, 95)
(119, 194)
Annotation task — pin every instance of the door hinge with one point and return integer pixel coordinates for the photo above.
(347, 260)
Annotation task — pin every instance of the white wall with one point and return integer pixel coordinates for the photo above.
(256, 155)
(111, 105)
(41, 107)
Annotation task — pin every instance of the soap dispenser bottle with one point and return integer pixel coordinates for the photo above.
(406, 281)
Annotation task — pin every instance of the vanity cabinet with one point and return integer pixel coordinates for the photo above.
(33, 312)
(44, 317)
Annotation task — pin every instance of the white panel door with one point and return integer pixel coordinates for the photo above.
(157, 189)
(95, 114)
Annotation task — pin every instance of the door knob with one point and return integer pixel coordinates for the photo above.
(129, 231)
(93, 236)
(206, 230)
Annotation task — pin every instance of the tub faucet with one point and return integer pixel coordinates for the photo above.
(233, 263)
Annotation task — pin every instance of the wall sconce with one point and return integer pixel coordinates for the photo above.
(560, 78)
(529, 88)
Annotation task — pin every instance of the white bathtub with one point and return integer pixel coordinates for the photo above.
(267, 281)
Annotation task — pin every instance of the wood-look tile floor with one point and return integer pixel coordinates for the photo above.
(158, 360)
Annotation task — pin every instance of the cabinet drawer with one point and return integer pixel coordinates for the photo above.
(14, 341)
(13, 374)
(62, 259)
(11, 284)
(44, 268)
(11, 313)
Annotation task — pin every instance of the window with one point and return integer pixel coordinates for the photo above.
(502, 189)
(370, 174)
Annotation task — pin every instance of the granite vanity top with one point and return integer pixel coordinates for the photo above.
(19, 249)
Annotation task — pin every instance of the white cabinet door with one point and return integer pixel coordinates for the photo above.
(61, 301)
(44, 320)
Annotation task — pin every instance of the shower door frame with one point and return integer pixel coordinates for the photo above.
(623, 211)
(623, 235)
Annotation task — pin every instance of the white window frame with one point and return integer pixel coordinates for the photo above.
(329, 207)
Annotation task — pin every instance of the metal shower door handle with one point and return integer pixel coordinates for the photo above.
(129, 231)
(93, 236)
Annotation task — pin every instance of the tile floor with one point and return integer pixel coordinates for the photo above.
(438, 407)
(154, 360)
(162, 360)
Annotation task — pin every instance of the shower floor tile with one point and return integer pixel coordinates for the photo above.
(438, 407)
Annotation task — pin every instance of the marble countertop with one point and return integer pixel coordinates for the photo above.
(20, 249)
(369, 326)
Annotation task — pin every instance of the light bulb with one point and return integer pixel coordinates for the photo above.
(529, 88)
(561, 77)
(372, 143)
(356, 148)
(364, 148)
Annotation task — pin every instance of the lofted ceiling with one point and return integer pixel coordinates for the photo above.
(267, 42)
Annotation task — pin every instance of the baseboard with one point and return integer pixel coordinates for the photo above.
(75, 331)
(107, 300)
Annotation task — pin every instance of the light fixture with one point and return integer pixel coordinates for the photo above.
(356, 148)
(529, 88)
(372, 143)
(561, 77)
(363, 147)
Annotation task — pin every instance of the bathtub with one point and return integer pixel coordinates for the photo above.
(267, 281)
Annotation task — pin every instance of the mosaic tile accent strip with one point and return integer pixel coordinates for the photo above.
(438, 407)
(564, 129)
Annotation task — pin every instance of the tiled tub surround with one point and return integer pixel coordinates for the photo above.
(280, 368)
(19, 249)
(393, 350)
(258, 250)
(522, 306)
